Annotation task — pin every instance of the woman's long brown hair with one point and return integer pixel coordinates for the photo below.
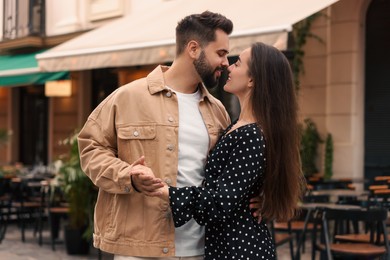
(275, 108)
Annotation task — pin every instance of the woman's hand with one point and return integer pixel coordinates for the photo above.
(255, 204)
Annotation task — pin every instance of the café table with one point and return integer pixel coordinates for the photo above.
(338, 180)
(336, 194)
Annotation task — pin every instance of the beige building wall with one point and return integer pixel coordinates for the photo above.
(332, 88)
(63, 17)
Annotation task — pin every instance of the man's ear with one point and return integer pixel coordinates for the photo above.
(193, 49)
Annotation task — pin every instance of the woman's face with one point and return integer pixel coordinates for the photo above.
(238, 81)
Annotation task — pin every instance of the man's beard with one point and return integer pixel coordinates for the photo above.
(205, 71)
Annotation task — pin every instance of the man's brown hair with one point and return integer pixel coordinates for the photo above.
(201, 28)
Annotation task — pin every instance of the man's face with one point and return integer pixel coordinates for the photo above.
(208, 74)
(213, 59)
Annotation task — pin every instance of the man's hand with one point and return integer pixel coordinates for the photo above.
(143, 179)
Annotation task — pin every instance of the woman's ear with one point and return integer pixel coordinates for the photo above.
(193, 48)
(250, 83)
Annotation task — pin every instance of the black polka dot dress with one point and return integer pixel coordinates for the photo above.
(233, 172)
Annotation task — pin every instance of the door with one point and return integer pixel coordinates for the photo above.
(104, 82)
(33, 125)
(377, 90)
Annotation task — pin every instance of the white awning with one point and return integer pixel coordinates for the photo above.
(149, 37)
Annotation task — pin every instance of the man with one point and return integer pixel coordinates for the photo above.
(172, 119)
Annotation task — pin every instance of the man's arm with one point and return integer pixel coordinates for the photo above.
(98, 158)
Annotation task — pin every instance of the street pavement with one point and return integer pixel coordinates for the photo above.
(12, 248)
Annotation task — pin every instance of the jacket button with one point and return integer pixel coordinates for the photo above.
(127, 189)
(170, 119)
(170, 147)
(135, 133)
(165, 250)
(169, 94)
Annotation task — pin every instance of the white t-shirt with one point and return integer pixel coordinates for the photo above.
(193, 149)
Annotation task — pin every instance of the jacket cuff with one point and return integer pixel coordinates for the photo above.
(124, 181)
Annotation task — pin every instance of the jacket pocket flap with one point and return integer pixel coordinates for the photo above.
(137, 132)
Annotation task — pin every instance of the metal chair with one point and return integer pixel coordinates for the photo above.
(346, 220)
(56, 214)
(56, 208)
(26, 200)
(281, 237)
(299, 225)
(4, 206)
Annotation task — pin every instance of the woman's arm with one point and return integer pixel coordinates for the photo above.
(218, 199)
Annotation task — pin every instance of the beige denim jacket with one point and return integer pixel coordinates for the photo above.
(140, 118)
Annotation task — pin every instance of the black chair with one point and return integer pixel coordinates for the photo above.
(57, 210)
(26, 201)
(380, 198)
(301, 223)
(5, 206)
(371, 222)
(282, 237)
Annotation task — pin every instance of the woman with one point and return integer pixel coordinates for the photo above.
(257, 155)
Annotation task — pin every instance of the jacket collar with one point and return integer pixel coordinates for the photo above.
(156, 83)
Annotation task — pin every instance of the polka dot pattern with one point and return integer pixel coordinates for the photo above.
(234, 171)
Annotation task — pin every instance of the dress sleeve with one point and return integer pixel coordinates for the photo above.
(242, 171)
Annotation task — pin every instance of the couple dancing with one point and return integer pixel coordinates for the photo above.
(199, 171)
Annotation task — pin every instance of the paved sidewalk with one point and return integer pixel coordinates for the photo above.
(12, 248)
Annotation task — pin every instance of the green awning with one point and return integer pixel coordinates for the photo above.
(22, 69)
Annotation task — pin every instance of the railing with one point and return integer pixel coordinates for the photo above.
(23, 18)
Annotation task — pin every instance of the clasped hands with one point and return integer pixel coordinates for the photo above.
(144, 181)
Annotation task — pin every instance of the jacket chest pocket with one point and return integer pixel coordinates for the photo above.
(135, 141)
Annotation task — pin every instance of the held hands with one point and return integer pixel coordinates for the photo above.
(144, 181)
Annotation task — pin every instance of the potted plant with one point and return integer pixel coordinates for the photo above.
(3, 136)
(310, 140)
(80, 194)
(328, 171)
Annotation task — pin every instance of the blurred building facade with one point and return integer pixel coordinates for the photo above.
(344, 88)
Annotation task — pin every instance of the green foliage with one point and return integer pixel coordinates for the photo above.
(310, 139)
(10, 171)
(301, 31)
(79, 190)
(328, 171)
(3, 136)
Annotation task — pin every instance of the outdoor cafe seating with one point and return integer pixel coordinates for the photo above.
(26, 198)
(26, 201)
(335, 226)
(281, 238)
(297, 226)
(377, 197)
(320, 198)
